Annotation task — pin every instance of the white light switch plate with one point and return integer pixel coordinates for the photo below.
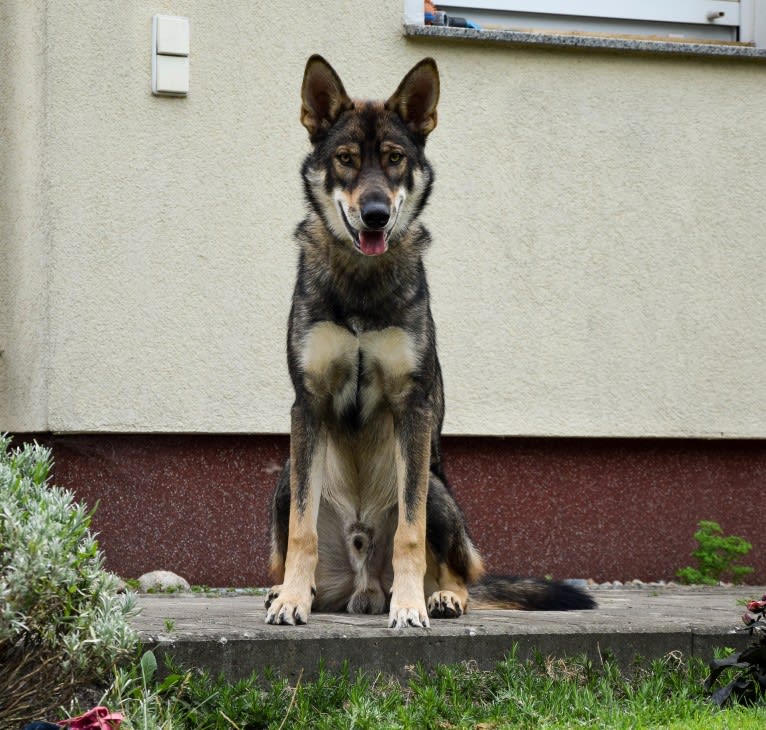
(170, 55)
(172, 34)
(171, 75)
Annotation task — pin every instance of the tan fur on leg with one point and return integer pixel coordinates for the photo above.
(408, 606)
(293, 603)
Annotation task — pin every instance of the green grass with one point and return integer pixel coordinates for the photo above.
(539, 693)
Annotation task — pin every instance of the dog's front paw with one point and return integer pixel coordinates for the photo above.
(287, 607)
(404, 614)
(445, 604)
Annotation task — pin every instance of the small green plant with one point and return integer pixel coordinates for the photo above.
(132, 584)
(62, 623)
(716, 556)
(146, 703)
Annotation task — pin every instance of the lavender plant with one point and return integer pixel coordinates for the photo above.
(63, 624)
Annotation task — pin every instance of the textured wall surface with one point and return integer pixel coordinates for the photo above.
(25, 220)
(598, 261)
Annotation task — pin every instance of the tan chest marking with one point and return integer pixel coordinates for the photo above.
(330, 358)
(330, 362)
(390, 358)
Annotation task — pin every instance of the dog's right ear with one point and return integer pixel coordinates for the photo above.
(323, 97)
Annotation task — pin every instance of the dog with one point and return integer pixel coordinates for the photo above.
(363, 519)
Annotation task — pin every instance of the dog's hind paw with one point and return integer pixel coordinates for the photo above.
(445, 604)
(371, 600)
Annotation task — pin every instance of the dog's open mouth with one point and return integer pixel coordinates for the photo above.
(370, 242)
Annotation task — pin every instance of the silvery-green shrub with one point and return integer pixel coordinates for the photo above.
(63, 624)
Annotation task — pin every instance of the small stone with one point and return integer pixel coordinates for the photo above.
(576, 582)
(638, 583)
(617, 583)
(162, 581)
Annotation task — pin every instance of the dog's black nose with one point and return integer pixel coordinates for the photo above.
(375, 214)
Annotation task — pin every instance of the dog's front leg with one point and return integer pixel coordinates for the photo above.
(308, 446)
(408, 607)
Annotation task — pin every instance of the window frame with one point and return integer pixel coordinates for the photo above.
(744, 21)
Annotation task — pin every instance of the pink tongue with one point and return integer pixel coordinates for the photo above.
(372, 243)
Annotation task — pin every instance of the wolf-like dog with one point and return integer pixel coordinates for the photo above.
(363, 519)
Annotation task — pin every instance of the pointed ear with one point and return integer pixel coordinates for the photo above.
(323, 97)
(416, 98)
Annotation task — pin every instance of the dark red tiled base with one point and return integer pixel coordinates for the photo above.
(602, 508)
(607, 509)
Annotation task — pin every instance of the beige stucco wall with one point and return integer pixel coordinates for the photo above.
(25, 223)
(598, 265)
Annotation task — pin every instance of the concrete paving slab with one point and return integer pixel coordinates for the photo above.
(224, 633)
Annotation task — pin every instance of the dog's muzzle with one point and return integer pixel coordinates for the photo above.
(370, 240)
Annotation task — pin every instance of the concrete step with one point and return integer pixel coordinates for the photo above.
(227, 634)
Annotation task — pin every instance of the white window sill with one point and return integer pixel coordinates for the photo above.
(591, 42)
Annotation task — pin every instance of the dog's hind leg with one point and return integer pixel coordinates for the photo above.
(280, 520)
(447, 593)
(453, 561)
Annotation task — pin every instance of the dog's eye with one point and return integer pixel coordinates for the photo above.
(345, 158)
(394, 158)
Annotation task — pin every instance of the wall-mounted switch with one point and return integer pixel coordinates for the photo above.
(170, 55)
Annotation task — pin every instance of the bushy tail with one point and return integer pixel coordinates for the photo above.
(527, 594)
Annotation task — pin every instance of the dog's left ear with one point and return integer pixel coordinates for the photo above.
(417, 96)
